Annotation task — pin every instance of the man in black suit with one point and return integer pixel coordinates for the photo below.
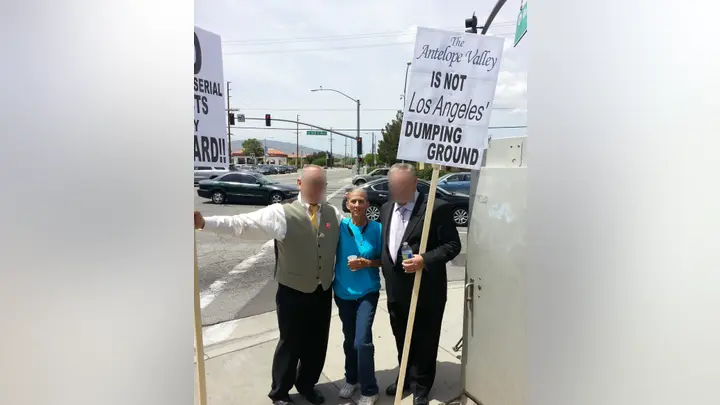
(402, 219)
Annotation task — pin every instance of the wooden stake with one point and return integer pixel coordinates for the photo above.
(416, 284)
(199, 351)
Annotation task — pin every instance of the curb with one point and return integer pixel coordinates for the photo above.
(258, 335)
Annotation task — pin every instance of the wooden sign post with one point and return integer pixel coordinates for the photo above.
(199, 350)
(416, 284)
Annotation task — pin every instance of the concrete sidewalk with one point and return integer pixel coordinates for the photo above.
(239, 356)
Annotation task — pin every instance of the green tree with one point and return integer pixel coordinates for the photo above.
(253, 146)
(388, 145)
(314, 156)
(368, 159)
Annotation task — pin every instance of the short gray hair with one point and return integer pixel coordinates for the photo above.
(405, 167)
(358, 190)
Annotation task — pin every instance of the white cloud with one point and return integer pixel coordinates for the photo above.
(511, 90)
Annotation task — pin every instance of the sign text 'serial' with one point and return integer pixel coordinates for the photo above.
(210, 142)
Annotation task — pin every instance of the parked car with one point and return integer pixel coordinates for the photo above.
(207, 172)
(377, 192)
(280, 169)
(456, 182)
(245, 186)
(265, 169)
(361, 179)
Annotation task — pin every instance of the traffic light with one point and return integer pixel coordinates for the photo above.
(359, 148)
(267, 120)
(471, 23)
(231, 118)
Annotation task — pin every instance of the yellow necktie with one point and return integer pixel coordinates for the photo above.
(313, 216)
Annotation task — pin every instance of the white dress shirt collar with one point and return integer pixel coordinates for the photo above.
(304, 204)
(409, 206)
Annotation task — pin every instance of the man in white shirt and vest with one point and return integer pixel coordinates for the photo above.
(306, 237)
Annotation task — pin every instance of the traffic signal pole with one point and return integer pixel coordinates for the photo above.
(298, 122)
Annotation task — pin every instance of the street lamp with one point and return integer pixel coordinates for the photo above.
(357, 101)
(405, 86)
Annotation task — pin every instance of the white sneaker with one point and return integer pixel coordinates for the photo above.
(347, 390)
(368, 400)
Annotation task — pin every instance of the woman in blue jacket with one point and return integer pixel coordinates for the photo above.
(357, 289)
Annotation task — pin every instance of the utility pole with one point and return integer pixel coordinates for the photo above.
(297, 142)
(331, 155)
(405, 85)
(227, 92)
(373, 150)
(358, 135)
(345, 156)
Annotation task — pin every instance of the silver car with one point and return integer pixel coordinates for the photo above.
(361, 179)
(208, 173)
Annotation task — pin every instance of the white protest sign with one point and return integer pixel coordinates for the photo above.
(210, 147)
(449, 99)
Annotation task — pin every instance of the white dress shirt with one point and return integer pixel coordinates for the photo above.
(262, 225)
(397, 230)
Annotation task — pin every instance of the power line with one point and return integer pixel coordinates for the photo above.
(352, 109)
(337, 48)
(339, 37)
(362, 129)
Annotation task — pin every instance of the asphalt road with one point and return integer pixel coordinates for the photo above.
(236, 275)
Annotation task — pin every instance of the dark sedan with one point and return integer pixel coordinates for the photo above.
(245, 186)
(377, 192)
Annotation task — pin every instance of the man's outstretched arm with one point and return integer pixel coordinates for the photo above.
(264, 224)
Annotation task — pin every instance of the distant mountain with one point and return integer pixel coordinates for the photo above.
(285, 147)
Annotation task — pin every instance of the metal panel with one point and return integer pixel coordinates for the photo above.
(494, 335)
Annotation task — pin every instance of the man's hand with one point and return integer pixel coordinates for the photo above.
(357, 264)
(199, 220)
(414, 264)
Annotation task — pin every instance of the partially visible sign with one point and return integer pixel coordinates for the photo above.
(449, 99)
(521, 28)
(210, 144)
(323, 133)
(241, 117)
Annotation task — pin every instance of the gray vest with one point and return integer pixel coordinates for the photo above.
(306, 256)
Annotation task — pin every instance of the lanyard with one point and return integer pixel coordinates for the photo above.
(362, 231)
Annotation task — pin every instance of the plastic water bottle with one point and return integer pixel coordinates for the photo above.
(405, 251)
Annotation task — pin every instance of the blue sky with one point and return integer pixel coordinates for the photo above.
(275, 51)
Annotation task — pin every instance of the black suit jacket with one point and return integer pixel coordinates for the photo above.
(443, 246)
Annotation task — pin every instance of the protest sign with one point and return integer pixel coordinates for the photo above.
(211, 148)
(445, 122)
(451, 88)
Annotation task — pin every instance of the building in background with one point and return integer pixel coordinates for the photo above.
(274, 157)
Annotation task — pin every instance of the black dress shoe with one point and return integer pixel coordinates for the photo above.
(391, 390)
(283, 402)
(420, 400)
(313, 396)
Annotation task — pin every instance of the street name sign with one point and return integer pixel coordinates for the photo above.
(521, 28)
(320, 133)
